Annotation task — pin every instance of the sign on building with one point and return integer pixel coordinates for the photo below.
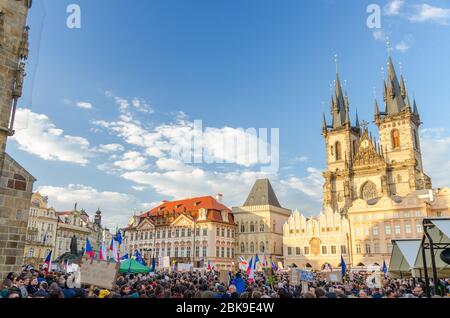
(98, 273)
(164, 262)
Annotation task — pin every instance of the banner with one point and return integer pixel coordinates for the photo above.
(98, 273)
(184, 267)
(306, 276)
(164, 262)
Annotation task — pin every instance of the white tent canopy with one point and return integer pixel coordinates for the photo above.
(406, 257)
(403, 258)
(439, 231)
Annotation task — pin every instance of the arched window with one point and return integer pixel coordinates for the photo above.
(242, 227)
(338, 151)
(252, 247)
(354, 147)
(252, 227)
(262, 247)
(242, 248)
(261, 226)
(395, 138)
(332, 150)
(369, 191)
(416, 140)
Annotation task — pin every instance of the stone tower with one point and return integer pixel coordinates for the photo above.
(341, 139)
(16, 184)
(399, 134)
(361, 167)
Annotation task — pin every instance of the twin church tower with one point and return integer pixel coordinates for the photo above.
(359, 166)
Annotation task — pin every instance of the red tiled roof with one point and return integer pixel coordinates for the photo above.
(191, 207)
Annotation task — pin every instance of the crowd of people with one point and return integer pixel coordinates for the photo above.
(31, 283)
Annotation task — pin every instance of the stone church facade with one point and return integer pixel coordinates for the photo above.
(16, 184)
(377, 187)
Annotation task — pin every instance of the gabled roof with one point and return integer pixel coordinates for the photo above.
(262, 194)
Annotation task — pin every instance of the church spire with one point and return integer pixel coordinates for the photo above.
(357, 121)
(377, 110)
(416, 110)
(403, 87)
(340, 105)
(395, 102)
(324, 125)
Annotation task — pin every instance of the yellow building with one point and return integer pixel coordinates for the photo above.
(260, 223)
(376, 190)
(41, 230)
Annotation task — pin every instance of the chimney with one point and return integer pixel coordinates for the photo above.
(219, 197)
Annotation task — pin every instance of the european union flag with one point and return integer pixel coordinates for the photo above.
(153, 264)
(119, 237)
(343, 267)
(139, 257)
(384, 269)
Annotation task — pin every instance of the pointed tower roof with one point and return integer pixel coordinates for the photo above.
(357, 125)
(340, 106)
(403, 87)
(394, 99)
(377, 109)
(416, 110)
(324, 124)
(262, 194)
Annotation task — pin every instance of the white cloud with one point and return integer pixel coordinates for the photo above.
(132, 160)
(116, 207)
(109, 148)
(40, 137)
(301, 159)
(393, 7)
(428, 13)
(139, 188)
(402, 47)
(435, 145)
(142, 106)
(84, 105)
(311, 185)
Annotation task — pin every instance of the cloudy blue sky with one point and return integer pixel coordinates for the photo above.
(106, 104)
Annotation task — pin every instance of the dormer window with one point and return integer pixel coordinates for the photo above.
(203, 213)
(225, 216)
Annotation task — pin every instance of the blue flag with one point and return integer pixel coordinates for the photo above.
(274, 266)
(256, 261)
(153, 264)
(384, 269)
(118, 237)
(343, 267)
(139, 257)
(125, 257)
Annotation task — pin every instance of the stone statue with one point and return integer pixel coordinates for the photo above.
(74, 246)
(20, 75)
(23, 47)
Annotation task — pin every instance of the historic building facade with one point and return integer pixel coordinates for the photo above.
(260, 223)
(192, 231)
(16, 184)
(376, 190)
(41, 231)
(78, 223)
(313, 242)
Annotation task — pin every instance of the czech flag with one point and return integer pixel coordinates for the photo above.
(209, 265)
(114, 248)
(103, 255)
(48, 262)
(88, 249)
(250, 266)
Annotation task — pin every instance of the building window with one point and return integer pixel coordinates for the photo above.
(369, 191)
(376, 247)
(289, 250)
(252, 247)
(222, 254)
(419, 228)
(395, 138)
(368, 248)
(158, 234)
(182, 252)
(223, 232)
(217, 251)
(197, 251)
(397, 229)
(176, 251)
(177, 233)
(163, 233)
(217, 232)
(306, 250)
(232, 252)
(252, 227)
(261, 247)
(17, 183)
(261, 226)
(183, 232)
(242, 227)
(205, 232)
(298, 251)
(169, 234)
(324, 250)
(358, 248)
(228, 232)
(408, 229)
(168, 251)
(367, 231)
(375, 230)
(188, 251)
(343, 249)
(358, 231)
(242, 248)
(333, 250)
(338, 150)
(387, 230)
(228, 252)
(204, 251)
(197, 232)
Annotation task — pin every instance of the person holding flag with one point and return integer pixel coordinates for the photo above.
(250, 266)
(48, 263)
(139, 258)
(256, 261)
(88, 249)
(209, 265)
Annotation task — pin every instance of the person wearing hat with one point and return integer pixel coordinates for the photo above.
(104, 293)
